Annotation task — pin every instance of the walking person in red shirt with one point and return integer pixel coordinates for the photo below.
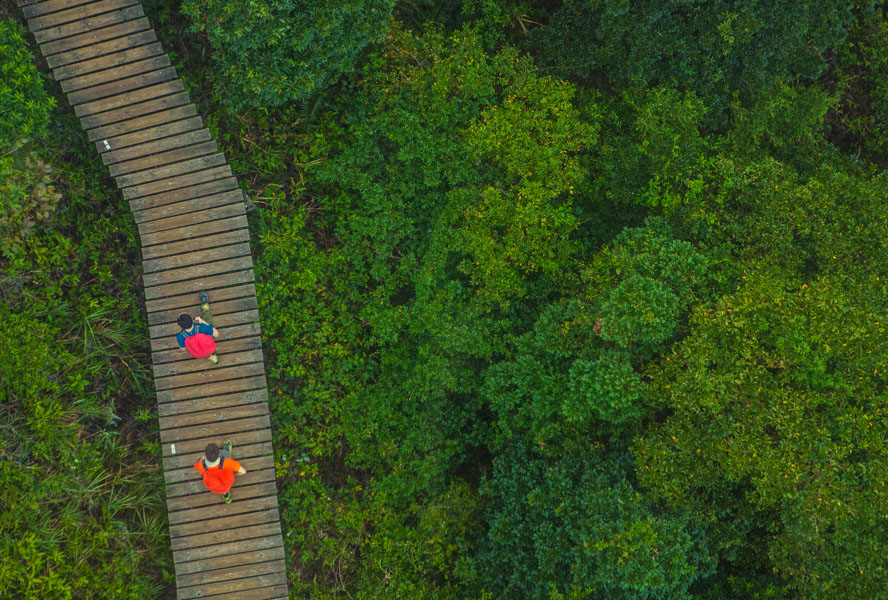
(218, 469)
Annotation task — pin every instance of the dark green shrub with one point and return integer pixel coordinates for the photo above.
(24, 103)
(271, 52)
(639, 312)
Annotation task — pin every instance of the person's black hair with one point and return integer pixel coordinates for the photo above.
(185, 321)
(212, 452)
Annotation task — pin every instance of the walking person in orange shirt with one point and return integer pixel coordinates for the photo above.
(218, 469)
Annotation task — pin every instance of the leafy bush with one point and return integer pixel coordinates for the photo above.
(272, 52)
(639, 312)
(608, 388)
(24, 103)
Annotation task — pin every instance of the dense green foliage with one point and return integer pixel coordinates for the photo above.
(271, 52)
(568, 301)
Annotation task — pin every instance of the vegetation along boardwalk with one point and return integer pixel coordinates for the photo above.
(194, 235)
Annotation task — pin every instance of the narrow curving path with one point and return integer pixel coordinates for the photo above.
(193, 229)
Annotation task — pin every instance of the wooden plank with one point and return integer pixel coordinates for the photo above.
(227, 401)
(171, 307)
(232, 335)
(34, 8)
(231, 535)
(163, 158)
(81, 13)
(241, 578)
(256, 409)
(171, 210)
(176, 169)
(238, 494)
(168, 95)
(118, 88)
(139, 205)
(87, 25)
(108, 61)
(152, 147)
(221, 309)
(232, 560)
(181, 467)
(161, 186)
(216, 373)
(191, 450)
(273, 592)
(197, 271)
(112, 130)
(123, 100)
(218, 281)
(149, 134)
(166, 332)
(258, 542)
(229, 359)
(107, 49)
(94, 37)
(259, 517)
(196, 486)
(196, 257)
(179, 461)
(194, 509)
(132, 69)
(189, 219)
(248, 569)
(247, 381)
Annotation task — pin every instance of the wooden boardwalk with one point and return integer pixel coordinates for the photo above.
(193, 228)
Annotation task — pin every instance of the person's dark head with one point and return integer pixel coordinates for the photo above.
(185, 321)
(212, 452)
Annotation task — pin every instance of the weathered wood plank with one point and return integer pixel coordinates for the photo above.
(273, 592)
(187, 407)
(162, 158)
(259, 517)
(211, 283)
(217, 372)
(79, 26)
(35, 8)
(107, 61)
(191, 219)
(102, 50)
(162, 186)
(197, 271)
(149, 134)
(118, 88)
(94, 38)
(231, 580)
(191, 450)
(229, 359)
(256, 409)
(110, 131)
(96, 80)
(167, 309)
(246, 381)
(258, 542)
(81, 13)
(139, 205)
(238, 493)
(196, 486)
(118, 101)
(224, 562)
(180, 168)
(209, 544)
(155, 146)
(196, 257)
(164, 96)
(166, 211)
